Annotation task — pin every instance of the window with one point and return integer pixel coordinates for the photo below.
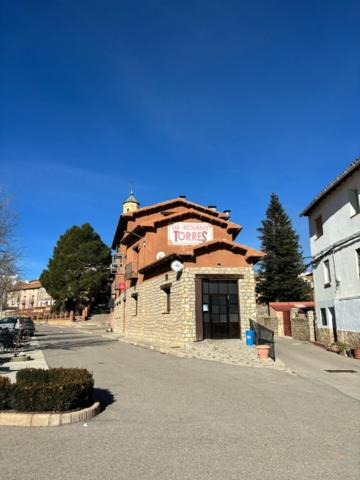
(358, 261)
(354, 201)
(167, 306)
(166, 288)
(327, 274)
(318, 226)
(135, 297)
(323, 317)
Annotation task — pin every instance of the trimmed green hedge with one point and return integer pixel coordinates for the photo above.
(56, 389)
(30, 376)
(5, 393)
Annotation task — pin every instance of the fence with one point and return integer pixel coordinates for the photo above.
(263, 336)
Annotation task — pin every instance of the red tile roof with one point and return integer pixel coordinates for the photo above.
(286, 306)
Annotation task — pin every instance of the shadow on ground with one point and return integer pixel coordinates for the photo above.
(104, 396)
(72, 345)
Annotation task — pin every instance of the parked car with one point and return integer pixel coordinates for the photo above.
(9, 323)
(17, 323)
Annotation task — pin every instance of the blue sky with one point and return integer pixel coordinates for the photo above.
(223, 101)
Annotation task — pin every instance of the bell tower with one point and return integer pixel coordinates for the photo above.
(130, 203)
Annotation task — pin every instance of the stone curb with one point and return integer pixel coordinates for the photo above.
(23, 419)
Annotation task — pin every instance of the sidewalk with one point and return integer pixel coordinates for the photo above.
(9, 368)
(229, 351)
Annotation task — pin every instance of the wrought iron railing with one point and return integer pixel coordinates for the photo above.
(263, 336)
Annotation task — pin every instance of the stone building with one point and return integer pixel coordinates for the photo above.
(179, 275)
(334, 221)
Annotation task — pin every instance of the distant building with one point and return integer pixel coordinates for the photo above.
(334, 221)
(308, 277)
(179, 275)
(28, 296)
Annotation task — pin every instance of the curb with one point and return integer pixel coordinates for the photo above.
(23, 419)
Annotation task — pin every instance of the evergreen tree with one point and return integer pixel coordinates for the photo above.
(280, 269)
(78, 273)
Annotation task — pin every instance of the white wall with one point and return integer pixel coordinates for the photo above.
(338, 224)
(335, 210)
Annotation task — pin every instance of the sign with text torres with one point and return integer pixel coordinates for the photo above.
(189, 233)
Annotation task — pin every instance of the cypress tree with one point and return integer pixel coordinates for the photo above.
(280, 269)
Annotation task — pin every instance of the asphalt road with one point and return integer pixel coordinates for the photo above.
(314, 363)
(177, 418)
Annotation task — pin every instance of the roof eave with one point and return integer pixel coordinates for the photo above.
(355, 165)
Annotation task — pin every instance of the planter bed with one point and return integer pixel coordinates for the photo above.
(47, 419)
(42, 398)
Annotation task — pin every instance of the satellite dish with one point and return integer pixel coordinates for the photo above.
(160, 255)
(176, 266)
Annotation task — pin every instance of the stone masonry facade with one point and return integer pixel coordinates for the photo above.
(140, 313)
(326, 336)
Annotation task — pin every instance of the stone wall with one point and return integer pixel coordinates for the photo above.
(326, 336)
(270, 322)
(262, 309)
(302, 326)
(152, 323)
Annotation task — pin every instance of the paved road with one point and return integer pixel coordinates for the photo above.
(311, 362)
(187, 419)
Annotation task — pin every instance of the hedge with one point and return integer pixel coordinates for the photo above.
(5, 393)
(30, 376)
(56, 389)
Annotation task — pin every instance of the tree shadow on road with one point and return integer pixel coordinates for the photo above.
(72, 341)
(104, 396)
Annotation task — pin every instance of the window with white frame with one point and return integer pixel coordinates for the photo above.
(354, 201)
(327, 273)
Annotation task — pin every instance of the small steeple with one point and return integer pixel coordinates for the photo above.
(130, 203)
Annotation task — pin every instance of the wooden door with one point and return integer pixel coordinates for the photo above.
(287, 324)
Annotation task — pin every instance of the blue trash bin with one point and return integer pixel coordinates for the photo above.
(250, 338)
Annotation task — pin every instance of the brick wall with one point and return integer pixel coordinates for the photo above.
(154, 325)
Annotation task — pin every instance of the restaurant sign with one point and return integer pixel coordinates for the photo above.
(189, 233)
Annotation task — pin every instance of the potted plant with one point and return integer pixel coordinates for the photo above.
(263, 351)
(356, 352)
(339, 347)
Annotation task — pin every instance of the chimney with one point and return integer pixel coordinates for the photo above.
(212, 208)
(182, 196)
(227, 213)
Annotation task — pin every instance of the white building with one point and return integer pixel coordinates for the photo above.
(28, 296)
(334, 221)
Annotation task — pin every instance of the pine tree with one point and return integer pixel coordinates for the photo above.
(280, 269)
(78, 273)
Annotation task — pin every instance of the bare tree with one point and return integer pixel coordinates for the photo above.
(8, 250)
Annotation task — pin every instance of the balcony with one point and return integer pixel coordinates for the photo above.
(131, 271)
